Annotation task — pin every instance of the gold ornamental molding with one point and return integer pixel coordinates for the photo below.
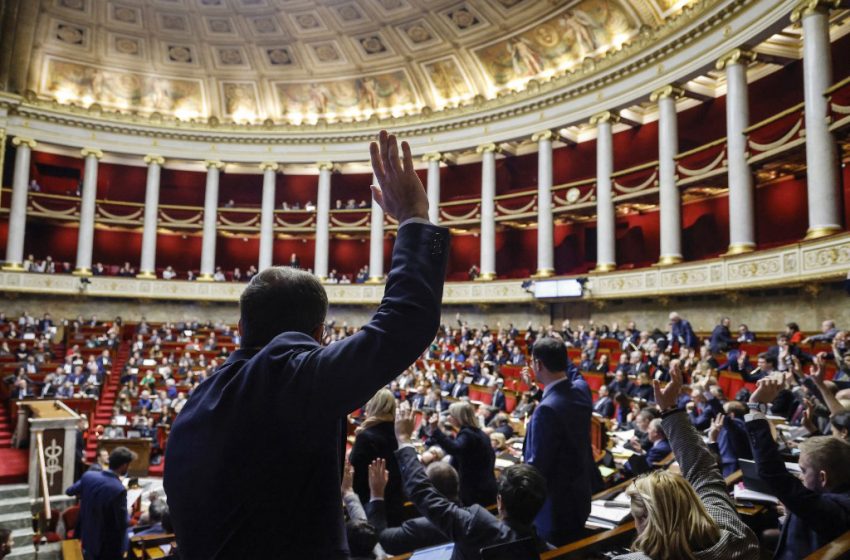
(808, 7)
(269, 166)
(544, 135)
(433, 156)
(96, 152)
(605, 117)
(214, 164)
(669, 90)
(21, 141)
(736, 56)
(152, 159)
(325, 166)
(487, 148)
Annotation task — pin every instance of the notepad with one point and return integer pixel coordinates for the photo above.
(741, 493)
(606, 514)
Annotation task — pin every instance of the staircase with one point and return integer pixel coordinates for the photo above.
(108, 394)
(16, 514)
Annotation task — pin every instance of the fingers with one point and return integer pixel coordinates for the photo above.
(407, 161)
(377, 164)
(392, 155)
(383, 141)
(378, 195)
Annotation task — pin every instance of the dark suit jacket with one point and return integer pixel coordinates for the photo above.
(721, 339)
(411, 535)
(814, 519)
(558, 444)
(711, 408)
(605, 407)
(499, 400)
(733, 443)
(254, 460)
(684, 332)
(658, 452)
(459, 390)
(474, 458)
(470, 528)
(102, 524)
(370, 444)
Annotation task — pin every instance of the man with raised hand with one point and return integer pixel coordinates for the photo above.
(254, 459)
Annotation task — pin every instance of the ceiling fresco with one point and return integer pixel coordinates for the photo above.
(292, 61)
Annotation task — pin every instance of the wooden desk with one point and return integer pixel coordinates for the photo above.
(839, 549)
(140, 446)
(618, 536)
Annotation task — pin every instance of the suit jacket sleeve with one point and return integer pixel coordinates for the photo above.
(452, 446)
(819, 511)
(543, 427)
(453, 520)
(376, 513)
(699, 468)
(354, 507)
(346, 374)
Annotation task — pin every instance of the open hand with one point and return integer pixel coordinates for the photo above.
(767, 389)
(378, 477)
(347, 478)
(716, 425)
(667, 397)
(404, 426)
(399, 191)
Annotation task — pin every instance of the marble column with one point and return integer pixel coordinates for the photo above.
(88, 200)
(606, 246)
(376, 242)
(147, 269)
(267, 215)
(488, 211)
(821, 151)
(214, 168)
(433, 159)
(545, 226)
(18, 208)
(323, 212)
(669, 199)
(742, 224)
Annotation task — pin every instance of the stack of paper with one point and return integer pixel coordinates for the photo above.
(607, 514)
(742, 494)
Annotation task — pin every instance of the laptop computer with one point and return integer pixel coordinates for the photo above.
(440, 552)
(522, 549)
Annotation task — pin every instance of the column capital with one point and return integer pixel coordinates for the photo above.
(325, 166)
(210, 163)
(605, 117)
(151, 159)
(808, 7)
(432, 156)
(543, 135)
(269, 166)
(21, 141)
(670, 90)
(491, 147)
(736, 56)
(96, 152)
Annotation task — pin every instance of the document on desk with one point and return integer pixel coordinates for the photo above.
(742, 494)
(608, 513)
(132, 496)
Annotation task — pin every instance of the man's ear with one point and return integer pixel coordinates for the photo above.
(318, 332)
(823, 478)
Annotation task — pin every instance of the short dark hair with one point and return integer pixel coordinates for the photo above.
(841, 421)
(552, 352)
(523, 492)
(119, 457)
(362, 538)
(445, 479)
(281, 299)
(769, 358)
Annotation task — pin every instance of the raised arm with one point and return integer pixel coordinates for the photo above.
(817, 375)
(699, 467)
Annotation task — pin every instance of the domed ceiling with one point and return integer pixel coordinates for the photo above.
(293, 61)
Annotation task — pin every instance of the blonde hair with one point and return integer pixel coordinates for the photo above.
(826, 453)
(380, 408)
(676, 523)
(464, 413)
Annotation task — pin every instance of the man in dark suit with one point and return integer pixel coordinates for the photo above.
(682, 331)
(522, 491)
(102, 524)
(660, 446)
(460, 389)
(414, 533)
(558, 444)
(604, 405)
(818, 507)
(499, 396)
(254, 458)
(721, 338)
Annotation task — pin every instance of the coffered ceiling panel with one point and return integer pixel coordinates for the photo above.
(296, 60)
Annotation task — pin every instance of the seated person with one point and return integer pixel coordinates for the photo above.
(818, 506)
(660, 447)
(414, 533)
(688, 515)
(361, 536)
(728, 437)
(705, 408)
(604, 405)
(521, 494)
(160, 519)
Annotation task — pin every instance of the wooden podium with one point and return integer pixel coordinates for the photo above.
(53, 437)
